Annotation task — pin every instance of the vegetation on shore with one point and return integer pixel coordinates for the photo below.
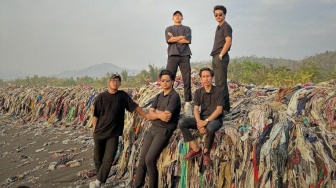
(265, 71)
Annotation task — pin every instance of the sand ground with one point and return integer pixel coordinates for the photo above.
(27, 153)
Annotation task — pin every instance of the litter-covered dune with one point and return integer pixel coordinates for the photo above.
(272, 137)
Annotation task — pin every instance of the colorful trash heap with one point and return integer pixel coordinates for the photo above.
(272, 137)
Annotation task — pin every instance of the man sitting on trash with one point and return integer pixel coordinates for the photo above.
(208, 114)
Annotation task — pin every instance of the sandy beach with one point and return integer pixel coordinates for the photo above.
(36, 155)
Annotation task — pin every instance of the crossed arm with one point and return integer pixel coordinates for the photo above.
(178, 39)
(158, 114)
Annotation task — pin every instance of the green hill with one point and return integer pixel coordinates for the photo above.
(267, 61)
(326, 61)
(279, 71)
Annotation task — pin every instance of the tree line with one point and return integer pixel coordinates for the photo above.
(128, 81)
(277, 75)
(281, 74)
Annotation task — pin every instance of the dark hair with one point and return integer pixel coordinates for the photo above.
(177, 12)
(206, 69)
(116, 75)
(167, 72)
(220, 7)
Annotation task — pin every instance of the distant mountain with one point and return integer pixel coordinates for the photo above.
(6, 76)
(261, 60)
(266, 60)
(326, 60)
(96, 71)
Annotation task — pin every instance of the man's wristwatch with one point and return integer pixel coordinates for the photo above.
(207, 120)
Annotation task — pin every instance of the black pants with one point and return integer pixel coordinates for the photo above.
(104, 153)
(190, 123)
(156, 139)
(220, 68)
(184, 63)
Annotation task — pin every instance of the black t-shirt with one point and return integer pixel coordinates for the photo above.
(110, 111)
(170, 102)
(209, 101)
(176, 48)
(222, 31)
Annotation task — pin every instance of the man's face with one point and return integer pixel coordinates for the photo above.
(219, 15)
(114, 83)
(206, 78)
(177, 18)
(166, 82)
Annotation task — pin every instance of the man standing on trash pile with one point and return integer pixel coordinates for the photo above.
(220, 52)
(108, 125)
(164, 113)
(208, 114)
(178, 37)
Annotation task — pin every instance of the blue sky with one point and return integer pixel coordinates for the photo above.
(48, 37)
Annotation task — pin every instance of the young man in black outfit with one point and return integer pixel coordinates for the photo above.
(220, 52)
(164, 114)
(108, 125)
(208, 113)
(178, 38)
